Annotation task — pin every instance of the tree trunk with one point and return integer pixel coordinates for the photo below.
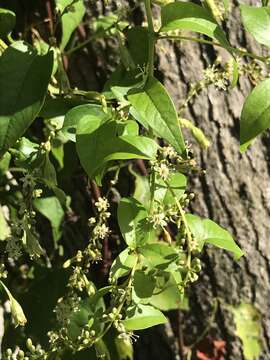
(234, 193)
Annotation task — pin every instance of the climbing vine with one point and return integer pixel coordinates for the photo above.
(97, 241)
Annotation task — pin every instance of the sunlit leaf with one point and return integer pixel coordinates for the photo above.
(255, 116)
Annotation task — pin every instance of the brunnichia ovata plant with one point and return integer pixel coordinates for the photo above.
(157, 242)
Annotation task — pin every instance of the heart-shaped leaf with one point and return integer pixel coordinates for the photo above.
(24, 78)
(207, 231)
(132, 222)
(95, 151)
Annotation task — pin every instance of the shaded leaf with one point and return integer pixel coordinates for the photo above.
(158, 254)
(7, 22)
(92, 138)
(24, 77)
(177, 182)
(166, 295)
(144, 284)
(132, 222)
(51, 208)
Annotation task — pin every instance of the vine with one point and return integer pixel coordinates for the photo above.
(123, 256)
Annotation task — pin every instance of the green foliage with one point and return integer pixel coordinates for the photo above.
(24, 78)
(255, 117)
(208, 232)
(72, 12)
(248, 328)
(142, 317)
(257, 22)
(110, 172)
(92, 137)
(188, 16)
(7, 22)
(157, 110)
(51, 208)
(132, 222)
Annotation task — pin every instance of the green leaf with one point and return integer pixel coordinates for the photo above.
(24, 77)
(123, 264)
(132, 222)
(4, 228)
(142, 317)
(102, 351)
(4, 163)
(100, 139)
(188, 16)
(166, 294)
(48, 172)
(7, 22)
(248, 328)
(88, 313)
(54, 107)
(177, 182)
(255, 116)
(71, 18)
(142, 191)
(207, 231)
(257, 22)
(137, 38)
(144, 284)
(51, 208)
(88, 112)
(130, 127)
(158, 255)
(155, 106)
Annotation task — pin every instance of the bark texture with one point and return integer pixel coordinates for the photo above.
(235, 191)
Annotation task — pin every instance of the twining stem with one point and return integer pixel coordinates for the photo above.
(213, 43)
(119, 309)
(209, 325)
(151, 36)
(184, 219)
(91, 38)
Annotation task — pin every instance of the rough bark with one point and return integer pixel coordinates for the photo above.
(234, 192)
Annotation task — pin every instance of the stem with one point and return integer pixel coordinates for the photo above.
(90, 39)
(151, 36)
(209, 325)
(183, 217)
(129, 284)
(213, 43)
